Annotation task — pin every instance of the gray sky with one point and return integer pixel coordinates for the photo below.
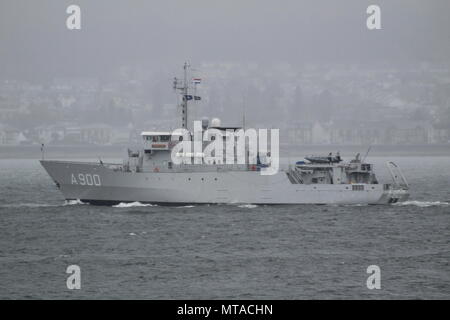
(35, 43)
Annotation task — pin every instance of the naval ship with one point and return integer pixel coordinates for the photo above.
(149, 175)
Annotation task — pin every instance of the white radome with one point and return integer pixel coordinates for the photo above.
(215, 122)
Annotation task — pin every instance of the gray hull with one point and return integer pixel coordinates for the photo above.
(100, 184)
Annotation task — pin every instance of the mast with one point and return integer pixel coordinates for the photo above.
(243, 111)
(185, 97)
(184, 86)
(184, 103)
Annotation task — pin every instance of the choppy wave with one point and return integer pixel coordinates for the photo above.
(351, 205)
(248, 206)
(187, 207)
(73, 202)
(133, 204)
(422, 204)
(28, 205)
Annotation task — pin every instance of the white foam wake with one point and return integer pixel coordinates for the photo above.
(133, 204)
(422, 204)
(73, 202)
(248, 206)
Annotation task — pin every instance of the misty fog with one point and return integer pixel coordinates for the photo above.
(310, 68)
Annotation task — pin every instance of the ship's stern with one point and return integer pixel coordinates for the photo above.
(394, 194)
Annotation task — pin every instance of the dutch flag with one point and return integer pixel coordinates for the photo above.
(196, 80)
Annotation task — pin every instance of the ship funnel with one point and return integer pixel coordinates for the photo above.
(205, 123)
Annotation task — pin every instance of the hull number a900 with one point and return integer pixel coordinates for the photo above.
(86, 179)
